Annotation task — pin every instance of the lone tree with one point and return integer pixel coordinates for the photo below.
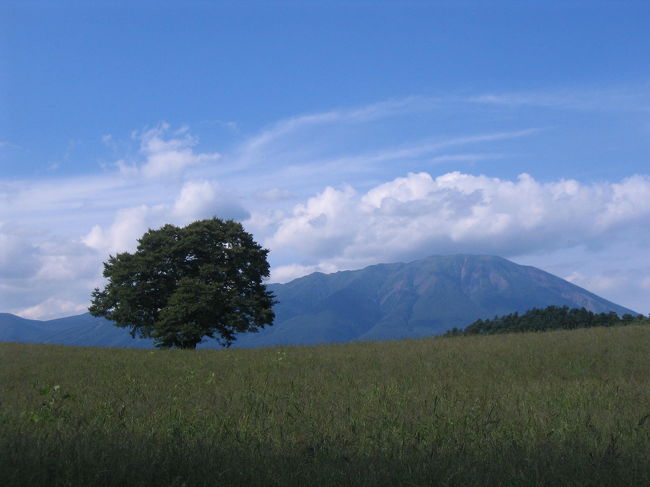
(183, 284)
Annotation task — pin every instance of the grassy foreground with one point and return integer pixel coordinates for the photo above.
(557, 409)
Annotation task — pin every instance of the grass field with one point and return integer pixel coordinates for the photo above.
(549, 409)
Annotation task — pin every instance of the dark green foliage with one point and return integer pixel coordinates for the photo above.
(183, 284)
(550, 318)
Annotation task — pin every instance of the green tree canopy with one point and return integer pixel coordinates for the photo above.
(184, 284)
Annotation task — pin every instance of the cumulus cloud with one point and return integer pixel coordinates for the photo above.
(418, 215)
(205, 199)
(122, 235)
(165, 154)
(195, 200)
(320, 227)
(55, 273)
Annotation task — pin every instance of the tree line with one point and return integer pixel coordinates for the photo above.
(550, 318)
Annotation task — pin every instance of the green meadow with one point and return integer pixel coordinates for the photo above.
(561, 408)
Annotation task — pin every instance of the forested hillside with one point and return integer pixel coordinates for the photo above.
(549, 318)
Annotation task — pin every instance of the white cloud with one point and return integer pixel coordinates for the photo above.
(629, 98)
(596, 283)
(165, 156)
(204, 199)
(472, 157)
(196, 199)
(127, 227)
(355, 115)
(418, 215)
(426, 148)
(267, 142)
(625, 201)
(55, 273)
(320, 227)
(336, 142)
(289, 272)
(52, 308)
(64, 260)
(264, 222)
(622, 281)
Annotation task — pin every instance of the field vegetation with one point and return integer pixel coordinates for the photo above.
(528, 409)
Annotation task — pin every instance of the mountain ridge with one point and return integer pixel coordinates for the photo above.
(420, 298)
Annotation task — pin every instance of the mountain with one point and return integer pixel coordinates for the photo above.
(381, 302)
(81, 330)
(421, 298)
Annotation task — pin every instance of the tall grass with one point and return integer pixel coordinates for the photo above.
(547, 409)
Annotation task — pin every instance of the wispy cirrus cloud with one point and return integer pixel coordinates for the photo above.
(634, 99)
(426, 148)
(468, 157)
(346, 144)
(253, 148)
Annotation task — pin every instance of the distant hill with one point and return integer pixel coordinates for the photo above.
(80, 330)
(381, 302)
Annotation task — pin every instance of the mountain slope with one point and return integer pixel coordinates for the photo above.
(385, 301)
(421, 298)
(80, 330)
(16, 329)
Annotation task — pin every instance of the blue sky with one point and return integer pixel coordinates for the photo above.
(340, 133)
